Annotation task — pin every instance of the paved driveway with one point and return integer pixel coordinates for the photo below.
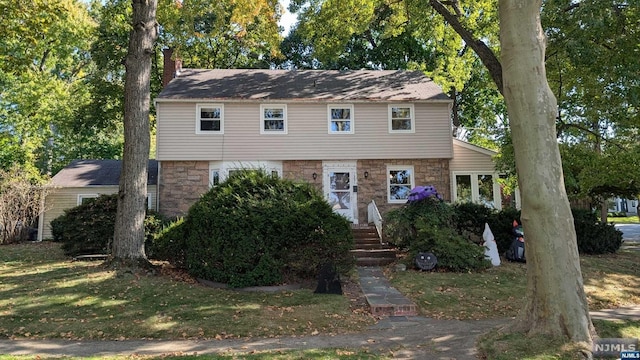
(630, 232)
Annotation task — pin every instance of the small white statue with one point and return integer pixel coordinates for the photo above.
(491, 248)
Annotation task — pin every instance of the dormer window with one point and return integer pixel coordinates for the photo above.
(210, 119)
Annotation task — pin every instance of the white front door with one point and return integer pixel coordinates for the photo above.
(340, 184)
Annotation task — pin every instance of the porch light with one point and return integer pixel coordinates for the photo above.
(366, 174)
(314, 176)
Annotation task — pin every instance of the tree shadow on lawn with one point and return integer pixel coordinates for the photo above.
(83, 300)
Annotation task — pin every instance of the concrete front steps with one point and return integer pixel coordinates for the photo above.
(371, 254)
(368, 249)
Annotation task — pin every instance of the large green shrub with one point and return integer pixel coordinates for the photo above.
(501, 224)
(88, 228)
(255, 229)
(169, 244)
(427, 226)
(469, 220)
(400, 223)
(593, 236)
(453, 251)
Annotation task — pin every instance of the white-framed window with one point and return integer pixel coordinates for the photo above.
(477, 187)
(400, 181)
(209, 119)
(220, 171)
(83, 198)
(214, 177)
(151, 201)
(341, 119)
(401, 118)
(273, 119)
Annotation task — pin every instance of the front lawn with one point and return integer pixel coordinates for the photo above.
(44, 294)
(610, 281)
(623, 219)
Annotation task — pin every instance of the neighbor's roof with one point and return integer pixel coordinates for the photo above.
(97, 172)
(474, 147)
(303, 85)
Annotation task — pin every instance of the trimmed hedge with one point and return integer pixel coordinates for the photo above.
(593, 236)
(454, 232)
(169, 244)
(427, 225)
(88, 228)
(255, 229)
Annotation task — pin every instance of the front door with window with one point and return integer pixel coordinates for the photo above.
(339, 182)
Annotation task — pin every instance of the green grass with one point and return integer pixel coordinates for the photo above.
(503, 346)
(623, 220)
(45, 295)
(500, 346)
(610, 281)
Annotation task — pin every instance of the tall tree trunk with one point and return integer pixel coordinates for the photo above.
(556, 303)
(128, 242)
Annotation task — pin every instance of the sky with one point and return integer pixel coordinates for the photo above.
(288, 19)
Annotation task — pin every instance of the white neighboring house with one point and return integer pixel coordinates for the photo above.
(625, 205)
(86, 179)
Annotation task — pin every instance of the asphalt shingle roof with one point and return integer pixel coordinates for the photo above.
(302, 85)
(97, 172)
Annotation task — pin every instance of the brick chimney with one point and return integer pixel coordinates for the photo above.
(171, 67)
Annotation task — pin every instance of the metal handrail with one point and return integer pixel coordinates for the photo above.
(375, 217)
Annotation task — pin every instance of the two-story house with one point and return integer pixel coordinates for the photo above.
(357, 135)
(361, 137)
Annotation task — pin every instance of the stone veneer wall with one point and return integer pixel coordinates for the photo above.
(181, 185)
(183, 182)
(426, 172)
(303, 170)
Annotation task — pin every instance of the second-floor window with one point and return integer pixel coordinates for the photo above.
(210, 119)
(273, 119)
(340, 119)
(401, 119)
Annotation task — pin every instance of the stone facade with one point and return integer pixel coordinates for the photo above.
(303, 170)
(433, 172)
(181, 183)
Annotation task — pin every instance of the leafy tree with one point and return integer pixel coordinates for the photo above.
(48, 108)
(405, 35)
(222, 34)
(595, 81)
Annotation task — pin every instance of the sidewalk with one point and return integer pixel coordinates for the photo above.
(406, 337)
